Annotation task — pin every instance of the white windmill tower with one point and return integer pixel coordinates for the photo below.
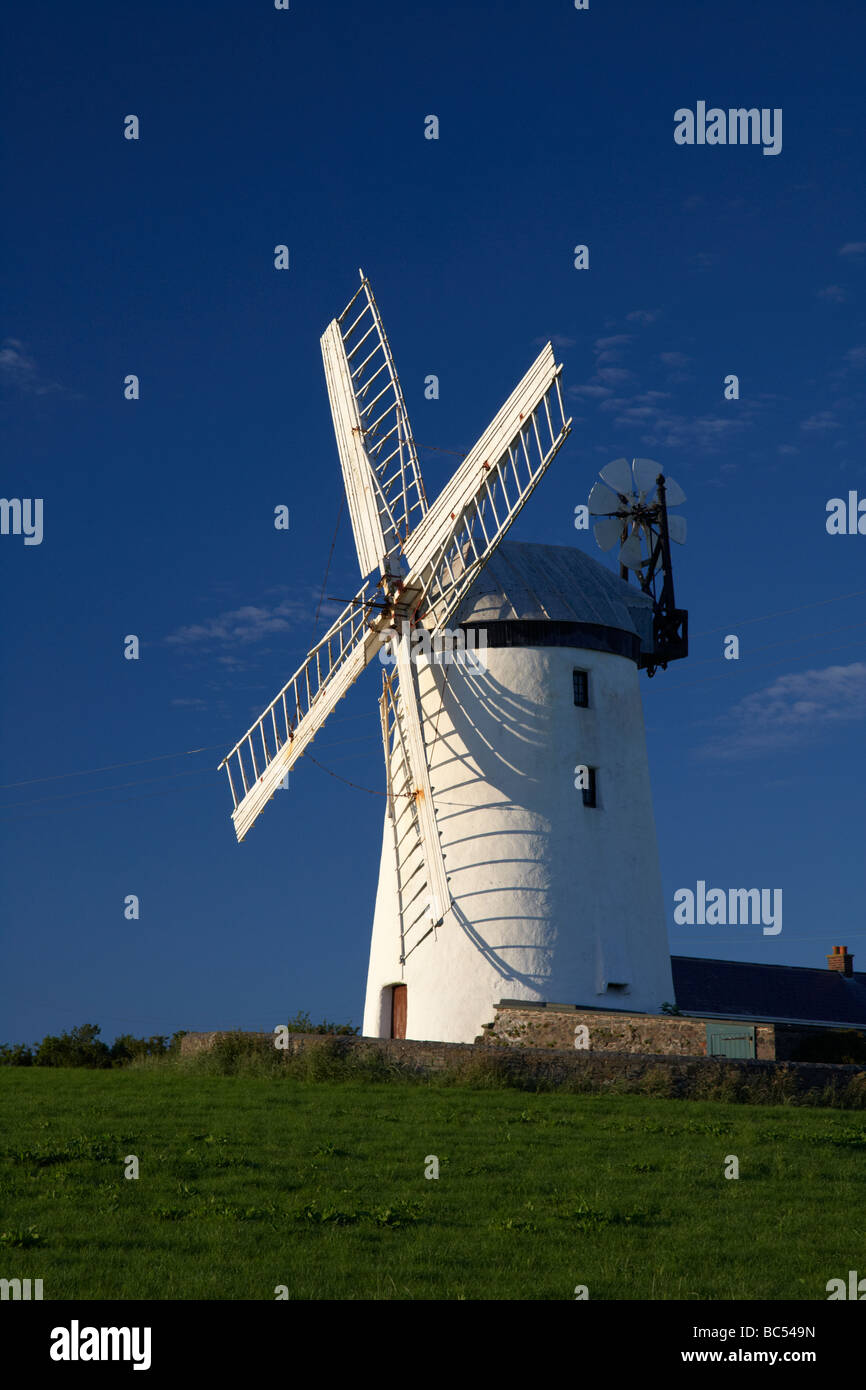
(498, 879)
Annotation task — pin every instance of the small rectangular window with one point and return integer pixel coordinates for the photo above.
(581, 688)
(589, 793)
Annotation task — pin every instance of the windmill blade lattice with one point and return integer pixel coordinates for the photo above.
(379, 459)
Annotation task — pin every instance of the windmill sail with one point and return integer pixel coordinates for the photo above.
(412, 733)
(260, 760)
(417, 907)
(475, 509)
(377, 453)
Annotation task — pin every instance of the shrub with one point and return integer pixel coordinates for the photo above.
(126, 1048)
(82, 1047)
(301, 1023)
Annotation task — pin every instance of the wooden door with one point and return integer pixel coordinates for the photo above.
(398, 1011)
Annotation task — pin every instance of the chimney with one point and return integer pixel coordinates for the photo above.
(841, 961)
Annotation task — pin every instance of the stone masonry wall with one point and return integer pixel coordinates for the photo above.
(418, 1056)
(666, 1034)
(673, 1075)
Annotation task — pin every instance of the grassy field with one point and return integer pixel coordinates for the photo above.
(250, 1182)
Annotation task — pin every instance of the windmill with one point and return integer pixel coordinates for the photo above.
(426, 556)
(495, 879)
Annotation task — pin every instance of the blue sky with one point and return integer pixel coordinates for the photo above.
(155, 257)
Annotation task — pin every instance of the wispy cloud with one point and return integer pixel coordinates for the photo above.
(823, 420)
(19, 369)
(646, 415)
(666, 429)
(834, 293)
(853, 248)
(613, 376)
(610, 349)
(590, 389)
(703, 260)
(642, 316)
(244, 625)
(615, 340)
(606, 377)
(791, 711)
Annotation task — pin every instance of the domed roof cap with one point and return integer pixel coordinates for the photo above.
(558, 583)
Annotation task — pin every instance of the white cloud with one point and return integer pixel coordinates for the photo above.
(822, 421)
(244, 625)
(18, 368)
(709, 433)
(790, 711)
(613, 376)
(639, 412)
(615, 340)
(853, 248)
(642, 316)
(674, 359)
(834, 293)
(588, 390)
(609, 349)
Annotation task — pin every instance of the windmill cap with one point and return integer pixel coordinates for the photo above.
(523, 582)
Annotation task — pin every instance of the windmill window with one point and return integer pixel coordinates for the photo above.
(581, 688)
(589, 793)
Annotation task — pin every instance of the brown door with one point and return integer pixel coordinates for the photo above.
(398, 1011)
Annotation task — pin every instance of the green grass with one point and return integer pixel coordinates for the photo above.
(249, 1182)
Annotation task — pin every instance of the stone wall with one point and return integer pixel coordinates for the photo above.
(554, 1025)
(416, 1056)
(193, 1043)
(681, 1076)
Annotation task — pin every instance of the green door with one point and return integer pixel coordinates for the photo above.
(730, 1040)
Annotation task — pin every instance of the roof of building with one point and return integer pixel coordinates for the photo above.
(558, 583)
(740, 989)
